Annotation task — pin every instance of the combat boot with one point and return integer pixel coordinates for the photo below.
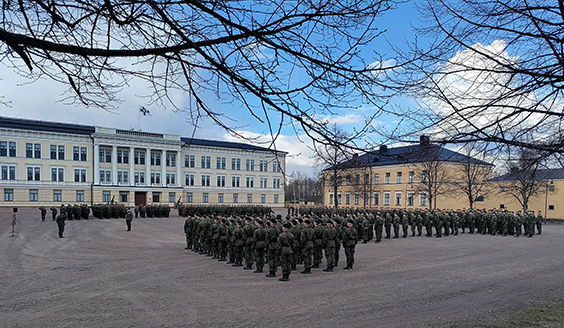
(306, 271)
(285, 278)
(258, 271)
(271, 274)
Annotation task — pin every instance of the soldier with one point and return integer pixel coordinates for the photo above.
(295, 230)
(222, 243)
(388, 225)
(248, 232)
(238, 240)
(366, 227)
(54, 212)
(378, 227)
(285, 242)
(404, 224)
(43, 213)
(396, 223)
(188, 224)
(317, 243)
(306, 241)
(329, 236)
(272, 240)
(338, 240)
(128, 219)
(349, 242)
(136, 211)
(61, 224)
(260, 245)
(539, 220)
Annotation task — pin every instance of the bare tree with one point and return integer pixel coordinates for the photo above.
(300, 186)
(526, 178)
(435, 179)
(362, 180)
(507, 91)
(285, 62)
(330, 158)
(471, 177)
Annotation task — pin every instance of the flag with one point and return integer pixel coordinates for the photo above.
(145, 111)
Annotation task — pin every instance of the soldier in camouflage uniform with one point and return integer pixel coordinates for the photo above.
(306, 242)
(317, 244)
(248, 232)
(329, 236)
(378, 224)
(349, 242)
(260, 245)
(285, 242)
(273, 255)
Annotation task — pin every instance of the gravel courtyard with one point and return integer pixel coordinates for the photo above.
(101, 275)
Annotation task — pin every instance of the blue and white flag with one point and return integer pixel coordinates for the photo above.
(145, 111)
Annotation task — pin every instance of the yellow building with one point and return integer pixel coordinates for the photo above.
(415, 176)
(543, 188)
(46, 163)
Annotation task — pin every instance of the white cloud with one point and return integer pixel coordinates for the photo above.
(341, 120)
(379, 68)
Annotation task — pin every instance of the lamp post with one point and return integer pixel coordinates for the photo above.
(546, 198)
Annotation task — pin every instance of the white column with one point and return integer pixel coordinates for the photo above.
(96, 164)
(114, 165)
(148, 167)
(163, 168)
(131, 167)
(178, 171)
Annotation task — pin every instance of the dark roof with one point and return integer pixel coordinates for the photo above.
(408, 155)
(545, 174)
(18, 123)
(225, 144)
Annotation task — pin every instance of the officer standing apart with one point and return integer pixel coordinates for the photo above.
(128, 219)
(349, 242)
(61, 224)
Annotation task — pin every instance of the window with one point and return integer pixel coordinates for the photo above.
(188, 197)
(80, 195)
(221, 180)
(263, 183)
(53, 149)
(263, 166)
(249, 198)
(205, 162)
(171, 179)
(57, 174)
(8, 195)
(236, 181)
(365, 198)
(189, 161)
(367, 179)
(276, 183)
(347, 181)
(61, 152)
(411, 177)
(357, 180)
(398, 198)
(28, 150)
(108, 155)
(172, 197)
(33, 195)
(377, 178)
(339, 198)
(376, 199)
(247, 165)
(105, 176)
(206, 180)
(386, 198)
(155, 178)
(205, 197)
(479, 199)
(79, 175)
(156, 158)
(156, 197)
(550, 207)
(123, 196)
(250, 182)
(399, 177)
(5, 151)
(236, 164)
(275, 199)
(387, 178)
(235, 198)
(75, 153)
(252, 164)
(189, 179)
(276, 166)
(330, 198)
(37, 150)
(551, 188)
(8, 172)
(263, 198)
(119, 157)
(83, 154)
(3, 148)
(410, 198)
(422, 199)
(106, 196)
(123, 177)
(220, 163)
(171, 160)
(33, 173)
(139, 177)
(220, 198)
(12, 149)
(356, 199)
(347, 198)
(139, 157)
(57, 195)
(424, 175)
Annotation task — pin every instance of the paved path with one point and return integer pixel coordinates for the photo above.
(100, 275)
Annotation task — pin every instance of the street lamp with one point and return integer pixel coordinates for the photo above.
(546, 198)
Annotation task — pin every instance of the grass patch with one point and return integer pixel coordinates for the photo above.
(549, 315)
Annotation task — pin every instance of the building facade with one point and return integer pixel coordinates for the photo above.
(46, 163)
(411, 177)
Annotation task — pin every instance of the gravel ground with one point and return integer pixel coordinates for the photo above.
(101, 275)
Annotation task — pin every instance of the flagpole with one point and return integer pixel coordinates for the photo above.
(139, 118)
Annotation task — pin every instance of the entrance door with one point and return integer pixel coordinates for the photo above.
(140, 198)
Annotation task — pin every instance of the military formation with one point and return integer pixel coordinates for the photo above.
(248, 240)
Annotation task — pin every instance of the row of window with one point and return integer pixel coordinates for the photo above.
(190, 180)
(8, 172)
(8, 149)
(376, 198)
(387, 178)
(221, 163)
(123, 196)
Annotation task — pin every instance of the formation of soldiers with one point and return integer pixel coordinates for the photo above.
(255, 240)
(373, 223)
(150, 211)
(222, 210)
(71, 212)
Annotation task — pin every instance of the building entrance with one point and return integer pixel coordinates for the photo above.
(140, 198)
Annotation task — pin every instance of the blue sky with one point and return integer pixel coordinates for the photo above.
(42, 100)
